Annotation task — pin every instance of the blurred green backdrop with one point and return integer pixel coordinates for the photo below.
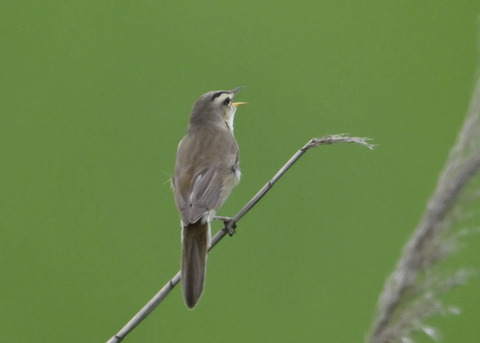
(95, 96)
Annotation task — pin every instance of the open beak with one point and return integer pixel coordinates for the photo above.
(236, 104)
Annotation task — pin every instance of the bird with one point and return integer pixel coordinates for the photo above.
(206, 170)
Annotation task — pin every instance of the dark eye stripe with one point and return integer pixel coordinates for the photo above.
(217, 94)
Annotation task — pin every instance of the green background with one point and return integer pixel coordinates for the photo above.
(94, 97)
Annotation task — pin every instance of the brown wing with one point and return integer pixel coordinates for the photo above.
(204, 174)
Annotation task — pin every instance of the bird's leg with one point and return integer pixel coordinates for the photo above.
(230, 224)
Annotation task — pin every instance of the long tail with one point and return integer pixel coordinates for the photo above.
(194, 261)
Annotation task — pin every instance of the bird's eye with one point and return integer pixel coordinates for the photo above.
(226, 102)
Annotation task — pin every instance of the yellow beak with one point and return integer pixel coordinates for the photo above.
(236, 104)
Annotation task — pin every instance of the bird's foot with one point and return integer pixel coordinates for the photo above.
(230, 224)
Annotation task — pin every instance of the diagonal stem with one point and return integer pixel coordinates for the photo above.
(162, 294)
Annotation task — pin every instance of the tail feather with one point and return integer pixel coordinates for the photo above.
(194, 261)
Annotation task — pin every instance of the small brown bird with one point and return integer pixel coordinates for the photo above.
(206, 170)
